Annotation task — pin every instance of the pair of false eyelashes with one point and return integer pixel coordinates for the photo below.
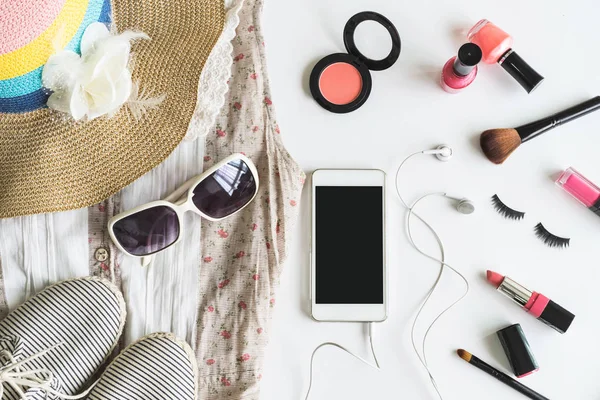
(540, 230)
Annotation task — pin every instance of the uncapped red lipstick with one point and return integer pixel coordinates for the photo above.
(534, 303)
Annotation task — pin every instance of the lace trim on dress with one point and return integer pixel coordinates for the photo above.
(213, 86)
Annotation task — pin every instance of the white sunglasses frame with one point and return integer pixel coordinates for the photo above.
(181, 205)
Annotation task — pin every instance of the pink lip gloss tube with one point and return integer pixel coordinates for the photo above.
(534, 303)
(581, 188)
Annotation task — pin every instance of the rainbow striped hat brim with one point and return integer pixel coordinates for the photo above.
(32, 30)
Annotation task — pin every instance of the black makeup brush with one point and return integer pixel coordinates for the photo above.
(501, 376)
(498, 144)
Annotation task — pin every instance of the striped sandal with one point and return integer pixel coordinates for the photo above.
(156, 367)
(52, 344)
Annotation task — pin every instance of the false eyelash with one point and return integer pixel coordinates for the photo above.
(549, 239)
(505, 210)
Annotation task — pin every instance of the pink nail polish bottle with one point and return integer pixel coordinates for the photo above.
(460, 71)
(496, 46)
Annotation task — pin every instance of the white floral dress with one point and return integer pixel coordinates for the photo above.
(243, 256)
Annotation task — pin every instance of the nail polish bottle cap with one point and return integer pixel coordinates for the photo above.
(469, 55)
(517, 350)
(520, 70)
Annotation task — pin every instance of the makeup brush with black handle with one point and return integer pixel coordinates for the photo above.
(498, 144)
(501, 376)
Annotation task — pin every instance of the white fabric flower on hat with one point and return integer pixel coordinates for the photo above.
(96, 83)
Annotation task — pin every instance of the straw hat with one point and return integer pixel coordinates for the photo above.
(49, 163)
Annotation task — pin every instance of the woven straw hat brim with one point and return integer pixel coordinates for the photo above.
(49, 164)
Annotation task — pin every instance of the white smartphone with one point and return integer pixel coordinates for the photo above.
(348, 251)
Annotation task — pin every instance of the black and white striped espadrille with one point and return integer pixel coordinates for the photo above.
(52, 344)
(157, 367)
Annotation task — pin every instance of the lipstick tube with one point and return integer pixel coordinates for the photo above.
(534, 303)
(581, 189)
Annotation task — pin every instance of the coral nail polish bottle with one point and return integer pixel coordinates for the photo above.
(460, 71)
(496, 46)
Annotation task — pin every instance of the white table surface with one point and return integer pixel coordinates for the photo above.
(408, 112)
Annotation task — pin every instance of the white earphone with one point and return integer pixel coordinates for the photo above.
(444, 153)
(463, 206)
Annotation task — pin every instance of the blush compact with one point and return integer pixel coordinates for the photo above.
(341, 82)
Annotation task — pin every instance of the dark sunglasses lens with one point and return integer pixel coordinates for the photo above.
(147, 231)
(225, 191)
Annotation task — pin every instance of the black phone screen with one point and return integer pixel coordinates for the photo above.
(349, 243)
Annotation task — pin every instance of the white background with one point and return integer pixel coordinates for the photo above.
(408, 112)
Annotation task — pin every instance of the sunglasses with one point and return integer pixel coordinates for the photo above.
(218, 193)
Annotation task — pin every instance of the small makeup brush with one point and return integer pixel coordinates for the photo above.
(501, 376)
(498, 144)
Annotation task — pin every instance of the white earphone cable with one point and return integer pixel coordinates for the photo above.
(312, 357)
(423, 358)
(410, 214)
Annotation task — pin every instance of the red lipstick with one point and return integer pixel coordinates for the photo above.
(534, 303)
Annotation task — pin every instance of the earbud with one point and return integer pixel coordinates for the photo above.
(463, 206)
(442, 152)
